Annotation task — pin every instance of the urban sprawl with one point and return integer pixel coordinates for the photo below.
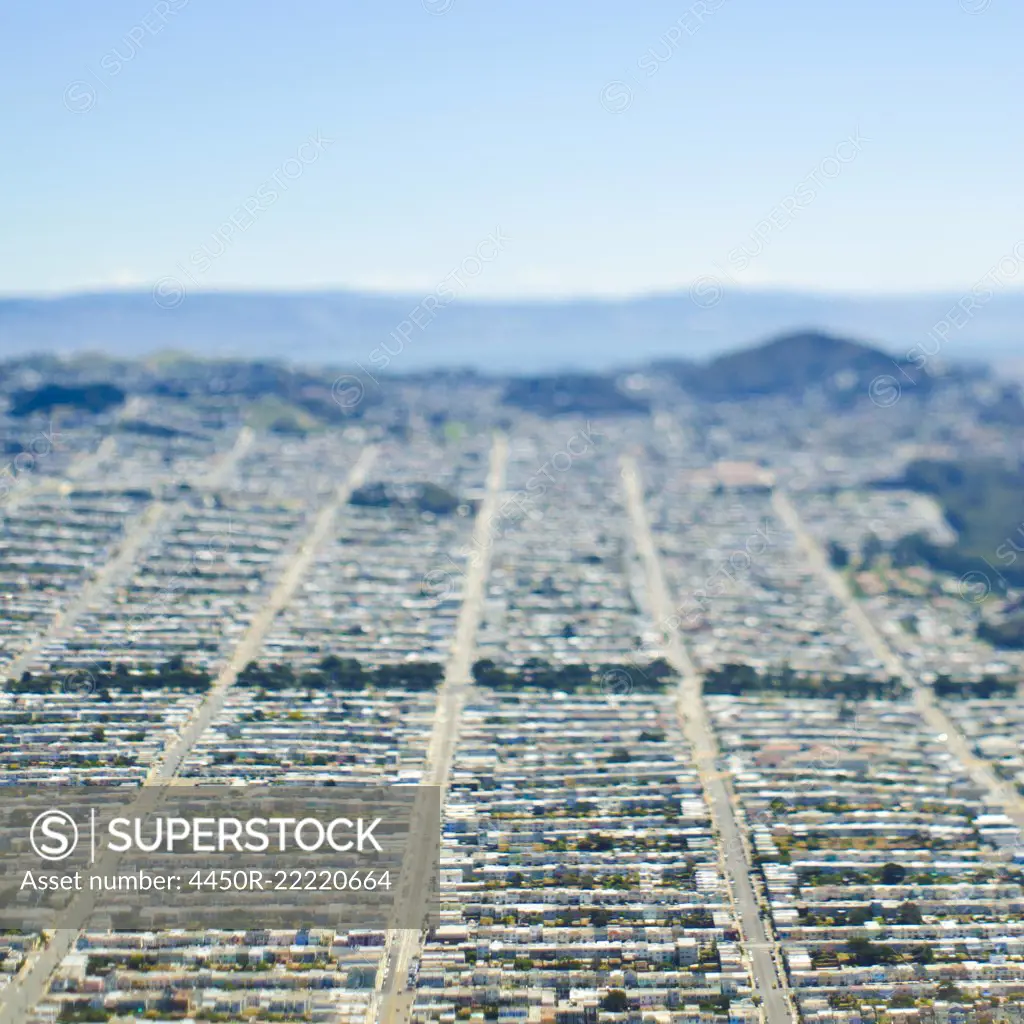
(704, 755)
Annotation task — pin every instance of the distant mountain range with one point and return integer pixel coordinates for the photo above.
(379, 332)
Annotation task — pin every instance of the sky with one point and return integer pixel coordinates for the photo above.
(614, 148)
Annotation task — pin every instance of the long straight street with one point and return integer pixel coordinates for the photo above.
(392, 1001)
(19, 997)
(769, 979)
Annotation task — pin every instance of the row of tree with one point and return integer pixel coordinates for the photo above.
(334, 673)
(735, 679)
(987, 686)
(331, 673)
(539, 674)
(105, 675)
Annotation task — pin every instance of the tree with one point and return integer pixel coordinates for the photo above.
(838, 555)
(948, 991)
(909, 913)
(893, 874)
(652, 736)
(871, 549)
(922, 954)
(615, 1002)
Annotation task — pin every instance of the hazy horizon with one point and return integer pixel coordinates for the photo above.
(441, 328)
(518, 298)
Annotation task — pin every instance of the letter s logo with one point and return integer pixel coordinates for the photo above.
(60, 829)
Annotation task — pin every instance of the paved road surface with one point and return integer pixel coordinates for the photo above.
(1000, 791)
(252, 640)
(392, 1003)
(769, 982)
(137, 534)
(19, 997)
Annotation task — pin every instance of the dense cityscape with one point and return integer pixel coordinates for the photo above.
(713, 745)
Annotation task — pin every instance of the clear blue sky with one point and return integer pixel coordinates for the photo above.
(506, 114)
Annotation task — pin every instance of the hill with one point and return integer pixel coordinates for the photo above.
(793, 364)
(983, 500)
